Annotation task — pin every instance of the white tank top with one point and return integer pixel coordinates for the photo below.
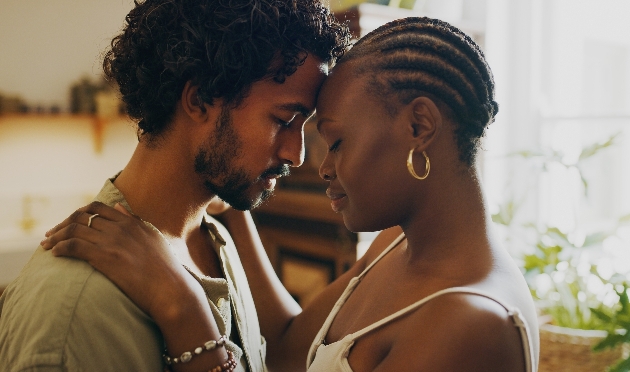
(334, 357)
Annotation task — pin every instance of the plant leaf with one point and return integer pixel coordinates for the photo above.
(623, 366)
(610, 341)
(601, 315)
(589, 151)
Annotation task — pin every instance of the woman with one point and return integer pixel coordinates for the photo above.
(402, 113)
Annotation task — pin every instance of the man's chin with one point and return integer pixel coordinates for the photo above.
(243, 203)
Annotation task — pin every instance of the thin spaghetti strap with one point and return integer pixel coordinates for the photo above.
(404, 311)
(517, 318)
(391, 246)
(323, 331)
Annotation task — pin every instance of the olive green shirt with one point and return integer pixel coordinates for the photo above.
(60, 314)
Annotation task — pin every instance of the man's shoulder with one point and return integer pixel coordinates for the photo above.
(47, 279)
(58, 308)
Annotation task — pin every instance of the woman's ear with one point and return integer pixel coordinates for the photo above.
(425, 121)
(192, 105)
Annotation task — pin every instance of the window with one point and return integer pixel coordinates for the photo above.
(563, 83)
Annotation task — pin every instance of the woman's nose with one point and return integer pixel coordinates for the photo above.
(326, 171)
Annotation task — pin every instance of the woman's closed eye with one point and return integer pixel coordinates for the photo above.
(335, 146)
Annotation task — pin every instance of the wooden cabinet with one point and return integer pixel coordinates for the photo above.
(307, 243)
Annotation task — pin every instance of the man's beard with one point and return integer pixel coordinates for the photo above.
(215, 163)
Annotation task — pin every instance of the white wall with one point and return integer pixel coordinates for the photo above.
(49, 167)
(47, 45)
(48, 164)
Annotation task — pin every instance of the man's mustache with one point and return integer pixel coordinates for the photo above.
(279, 171)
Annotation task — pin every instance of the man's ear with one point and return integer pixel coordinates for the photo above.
(191, 103)
(424, 122)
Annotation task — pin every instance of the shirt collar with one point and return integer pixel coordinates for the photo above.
(110, 195)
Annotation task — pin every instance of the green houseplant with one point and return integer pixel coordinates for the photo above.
(580, 301)
(618, 328)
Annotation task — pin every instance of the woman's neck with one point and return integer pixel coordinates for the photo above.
(451, 226)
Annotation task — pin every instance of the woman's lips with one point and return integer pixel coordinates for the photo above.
(337, 200)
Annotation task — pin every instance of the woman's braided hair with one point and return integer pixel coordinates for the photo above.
(222, 46)
(414, 57)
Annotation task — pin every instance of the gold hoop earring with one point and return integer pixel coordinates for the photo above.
(410, 165)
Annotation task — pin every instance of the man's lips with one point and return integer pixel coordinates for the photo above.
(270, 176)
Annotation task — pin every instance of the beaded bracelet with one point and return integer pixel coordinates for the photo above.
(188, 355)
(228, 366)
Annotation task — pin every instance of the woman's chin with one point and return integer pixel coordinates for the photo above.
(357, 225)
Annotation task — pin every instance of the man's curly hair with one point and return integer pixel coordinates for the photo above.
(221, 46)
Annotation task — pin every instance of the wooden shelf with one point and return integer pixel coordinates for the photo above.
(98, 123)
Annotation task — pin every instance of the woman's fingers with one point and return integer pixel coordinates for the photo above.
(75, 248)
(68, 232)
(89, 215)
(76, 241)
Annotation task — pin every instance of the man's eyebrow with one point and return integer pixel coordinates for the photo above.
(296, 107)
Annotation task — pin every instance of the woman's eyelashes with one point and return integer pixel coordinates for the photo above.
(335, 146)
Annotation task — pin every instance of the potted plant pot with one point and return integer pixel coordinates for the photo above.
(571, 350)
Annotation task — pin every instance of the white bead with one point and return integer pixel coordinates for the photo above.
(186, 357)
(198, 350)
(210, 345)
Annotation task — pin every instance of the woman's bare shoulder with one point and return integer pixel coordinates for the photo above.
(457, 331)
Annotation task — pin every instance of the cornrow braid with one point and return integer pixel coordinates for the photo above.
(414, 57)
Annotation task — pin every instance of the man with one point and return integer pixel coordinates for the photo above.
(220, 90)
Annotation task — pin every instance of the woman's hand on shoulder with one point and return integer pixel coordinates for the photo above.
(455, 332)
(133, 255)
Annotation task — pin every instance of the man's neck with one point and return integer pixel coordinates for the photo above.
(162, 188)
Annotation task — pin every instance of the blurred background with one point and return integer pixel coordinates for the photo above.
(555, 165)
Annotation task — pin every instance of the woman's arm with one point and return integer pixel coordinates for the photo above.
(139, 261)
(289, 331)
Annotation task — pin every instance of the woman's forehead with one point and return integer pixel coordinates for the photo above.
(340, 83)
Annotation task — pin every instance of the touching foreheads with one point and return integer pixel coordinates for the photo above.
(222, 47)
(414, 57)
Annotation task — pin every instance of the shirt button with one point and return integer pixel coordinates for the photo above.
(220, 302)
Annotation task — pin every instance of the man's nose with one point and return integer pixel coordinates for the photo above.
(292, 148)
